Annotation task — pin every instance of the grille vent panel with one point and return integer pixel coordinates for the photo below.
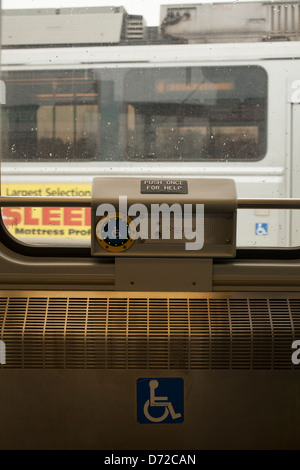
(146, 332)
(134, 27)
(285, 18)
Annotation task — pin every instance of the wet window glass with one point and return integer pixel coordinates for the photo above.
(50, 116)
(165, 114)
(193, 113)
(182, 89)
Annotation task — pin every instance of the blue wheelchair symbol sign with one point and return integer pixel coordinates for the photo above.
(160, 400)
(261, 229)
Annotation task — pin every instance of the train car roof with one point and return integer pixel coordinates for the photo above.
(125, 55)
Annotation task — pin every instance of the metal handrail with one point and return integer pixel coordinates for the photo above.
(26, 201)
(285, 203)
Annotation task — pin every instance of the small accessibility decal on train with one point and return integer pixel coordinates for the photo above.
(160, 400)
(261, 229)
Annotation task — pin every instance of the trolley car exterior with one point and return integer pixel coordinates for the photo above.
(211, 110)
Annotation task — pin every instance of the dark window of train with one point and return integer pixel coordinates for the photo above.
(196, 114)
(50, 116)
(142, 114)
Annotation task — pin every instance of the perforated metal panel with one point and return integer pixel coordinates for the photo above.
(148, 331)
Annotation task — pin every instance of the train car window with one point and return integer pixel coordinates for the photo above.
(196, 114)
(196, 95)
(171, 114)
(50, 116)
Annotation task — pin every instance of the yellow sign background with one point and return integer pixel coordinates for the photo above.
(60, 223)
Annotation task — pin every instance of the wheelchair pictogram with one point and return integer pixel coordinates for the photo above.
(261, 229)
(160, 400)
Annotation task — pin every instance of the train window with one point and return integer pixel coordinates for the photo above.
(196, 114)
(172, 114)
(109, 94)
(50, 116)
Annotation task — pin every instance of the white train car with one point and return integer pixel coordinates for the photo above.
(211, 110)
